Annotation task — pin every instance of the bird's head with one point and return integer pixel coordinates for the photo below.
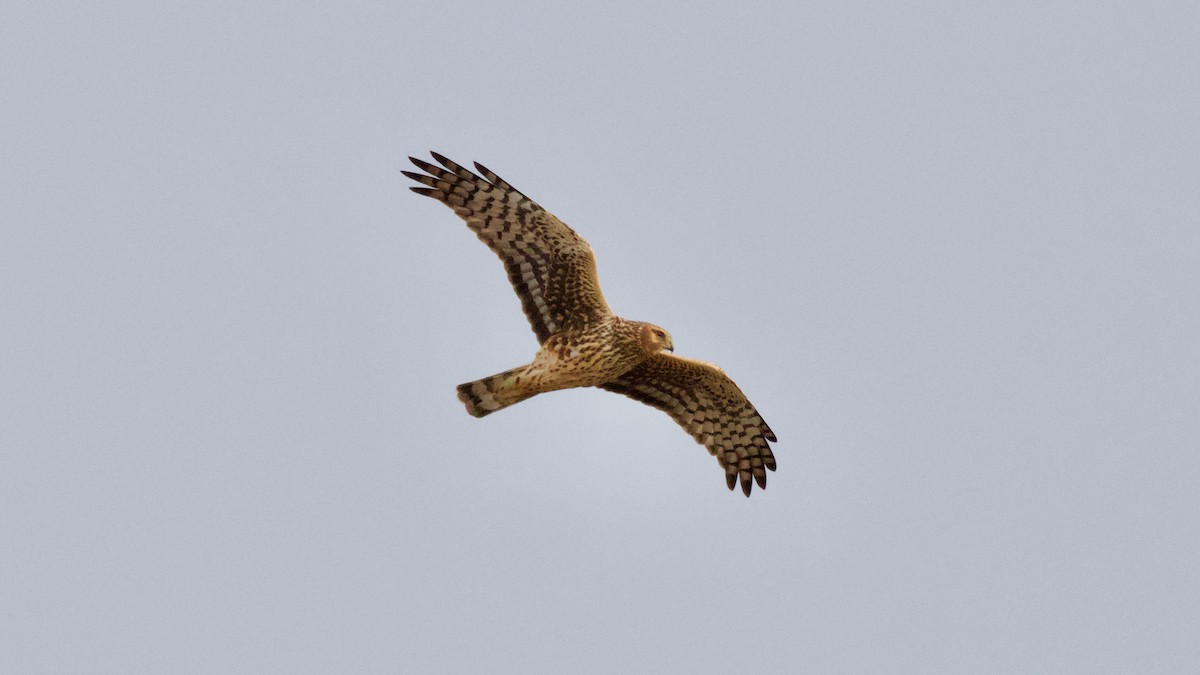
(655, 339)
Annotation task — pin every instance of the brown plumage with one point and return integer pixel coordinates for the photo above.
(583, 344)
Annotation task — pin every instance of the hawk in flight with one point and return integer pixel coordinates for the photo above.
(583, 344)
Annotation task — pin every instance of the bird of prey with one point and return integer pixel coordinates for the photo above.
(583, 343)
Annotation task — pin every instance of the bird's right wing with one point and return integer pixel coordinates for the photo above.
(552, 269)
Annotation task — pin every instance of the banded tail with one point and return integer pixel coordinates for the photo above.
(486, 396)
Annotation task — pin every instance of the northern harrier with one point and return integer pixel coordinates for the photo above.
(583, 344)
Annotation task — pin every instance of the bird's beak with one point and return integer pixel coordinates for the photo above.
(670, 347)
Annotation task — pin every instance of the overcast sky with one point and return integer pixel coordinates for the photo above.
(951, 251)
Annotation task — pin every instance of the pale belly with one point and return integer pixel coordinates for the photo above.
(561, 364)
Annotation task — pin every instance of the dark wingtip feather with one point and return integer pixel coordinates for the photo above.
(730, 480)
(426, 166)
(766, 431)
(428, 192)
(496, 180)
(747, 486)
(490, 175)
(761, 479)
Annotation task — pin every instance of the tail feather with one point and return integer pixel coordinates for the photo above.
(486, 396)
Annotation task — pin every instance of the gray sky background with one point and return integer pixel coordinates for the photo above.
(950, 250)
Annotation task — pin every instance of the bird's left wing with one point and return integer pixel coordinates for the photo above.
(710, 407)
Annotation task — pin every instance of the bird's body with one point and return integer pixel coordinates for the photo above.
(583, 343)
(566, 360)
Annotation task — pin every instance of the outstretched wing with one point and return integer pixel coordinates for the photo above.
(552, 269)
(706, 403)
